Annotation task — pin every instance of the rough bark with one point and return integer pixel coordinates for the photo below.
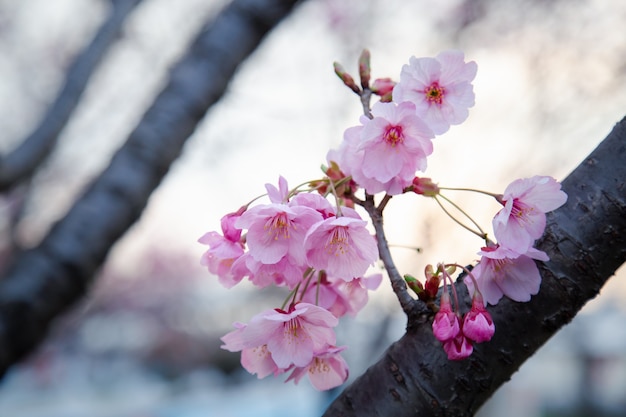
(24, 160)
(586, 242)
(44, 281)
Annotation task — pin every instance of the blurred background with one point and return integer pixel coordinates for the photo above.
(145, 342)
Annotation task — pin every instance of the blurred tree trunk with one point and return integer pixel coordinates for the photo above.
(586, 242)
(43, 282)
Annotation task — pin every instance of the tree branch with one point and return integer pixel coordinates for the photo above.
(586, 241)
(44, 281)
(24, 160)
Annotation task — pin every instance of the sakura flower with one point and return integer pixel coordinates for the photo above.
(327, 369)
(395, 142)
(385, 152)
(341, 297)
(258, 361)
(523, 218)
(223, 250)
(504, 272)
(342, 246)
(477, 323)
(283, 273)
(291, 336)
(440, 88)
(280, 194)
(276, 230)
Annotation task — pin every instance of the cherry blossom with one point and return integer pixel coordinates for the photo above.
(339, 296)
(290, 336)
(276, 230)
(385, 152)
(523, 218)
(326, 370)
(440, 88)
(223, 250)
(342, 246)
(504, 272)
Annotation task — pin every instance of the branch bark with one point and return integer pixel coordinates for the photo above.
(44, 281)
(24, 160)
(586, 242)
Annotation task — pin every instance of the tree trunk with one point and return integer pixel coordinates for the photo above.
(45, 281)
(586, 242)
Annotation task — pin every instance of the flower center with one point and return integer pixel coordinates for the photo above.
(319, 366)
(520, 212)
(339, 241)
(393, 135)
(434, 93)
(278, 226)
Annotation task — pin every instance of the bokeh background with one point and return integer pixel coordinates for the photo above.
(145, 343)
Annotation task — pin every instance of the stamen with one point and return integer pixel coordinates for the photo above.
(434, 93)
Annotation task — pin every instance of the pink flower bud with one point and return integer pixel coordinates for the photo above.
(478, 324)
(383, 86)
(458, 348)
(446, 325)
(425, 186)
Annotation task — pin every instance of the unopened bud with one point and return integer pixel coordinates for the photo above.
(414, 284)
(365, 68)
(425, 186)
(346, 78)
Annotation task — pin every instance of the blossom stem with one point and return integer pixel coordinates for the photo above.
(447, 276)
(470, 189)
(397, 282)
(481, 234)
(366, 96)
(384, 202)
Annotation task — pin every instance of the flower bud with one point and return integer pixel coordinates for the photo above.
(458, 348)
(478, 324)
(346, 78)
(414, 284)
(446, 325)
(425, 187)
(364, 68)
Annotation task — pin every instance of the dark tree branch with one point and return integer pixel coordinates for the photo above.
(44, 281)
(24, 160)
(586, 241)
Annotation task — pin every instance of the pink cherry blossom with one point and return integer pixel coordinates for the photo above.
(341, 297)
(504, 272)
(327, 369)
(280, 194)
(446, 325)
(523, 218)
(283, 273)
(385, 152)
(223, 250)
(291, 336)
(277, 230)
(440, 88)
(342, 246)
(458, 348)
(395, 142)
(258, 361)
(477, 323)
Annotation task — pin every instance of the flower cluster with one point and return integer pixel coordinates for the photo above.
(507, 267)
(394, 140)
(321, 251)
